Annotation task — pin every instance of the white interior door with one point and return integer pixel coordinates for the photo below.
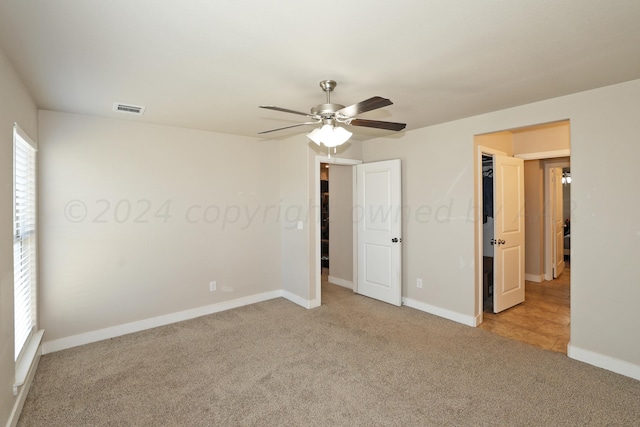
(557, 221)
(379, 217)
(508, 181)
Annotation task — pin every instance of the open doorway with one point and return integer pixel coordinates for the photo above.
(368, 215)
(543, 319)
(336, 224)
(335, 234)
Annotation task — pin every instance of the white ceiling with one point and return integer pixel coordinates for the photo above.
(209, 64)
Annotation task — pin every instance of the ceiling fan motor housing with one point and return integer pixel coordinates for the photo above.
(325, 109)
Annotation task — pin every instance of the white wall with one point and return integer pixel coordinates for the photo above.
(16, 105)
(137, 219)
(438, 163)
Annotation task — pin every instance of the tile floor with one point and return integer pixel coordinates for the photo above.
(541, 320)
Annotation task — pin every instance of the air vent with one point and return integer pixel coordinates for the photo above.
(136, 110)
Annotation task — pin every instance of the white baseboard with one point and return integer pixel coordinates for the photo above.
(314, 303)
(603, 361)
(534, 277)
(441, 312)
(477, 320)
(296, 299)
(141, 325)
(341, 282)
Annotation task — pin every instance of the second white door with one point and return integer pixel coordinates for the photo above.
(508, 181)
(557, 220)
(379, 216)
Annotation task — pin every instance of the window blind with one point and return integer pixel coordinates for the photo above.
(24, 247)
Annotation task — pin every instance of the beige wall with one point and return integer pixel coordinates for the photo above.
(16, 105)
(551, 137)
(438, 228)
(341, 223)
(352, 151)
(438, 169)
(501, 141)
(300, 248)
(534, 218)
(566, 201)
(97, 274)
(137, 219)
(297, 204)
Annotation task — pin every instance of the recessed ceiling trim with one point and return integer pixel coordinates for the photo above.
(136, 110)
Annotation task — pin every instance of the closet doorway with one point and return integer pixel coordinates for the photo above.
(336, 229)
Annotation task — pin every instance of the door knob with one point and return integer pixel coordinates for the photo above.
(396, 240)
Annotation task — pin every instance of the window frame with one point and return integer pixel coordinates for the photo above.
(25, 177)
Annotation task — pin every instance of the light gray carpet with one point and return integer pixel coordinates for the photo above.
(352, 361)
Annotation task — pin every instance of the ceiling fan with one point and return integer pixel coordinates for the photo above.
(332, 115)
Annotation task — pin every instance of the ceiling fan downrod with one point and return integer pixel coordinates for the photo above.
(328, 86)
(327, 110)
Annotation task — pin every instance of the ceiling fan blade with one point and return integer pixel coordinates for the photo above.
(364, 106)
(286, 110)
(377, 124)
(288, 127)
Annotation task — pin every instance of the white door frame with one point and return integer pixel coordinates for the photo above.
(315, 223)
(478, 225)
(548, 225)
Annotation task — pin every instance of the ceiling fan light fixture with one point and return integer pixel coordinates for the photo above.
(329, 135)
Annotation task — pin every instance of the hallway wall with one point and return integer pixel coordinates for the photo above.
(438, 175)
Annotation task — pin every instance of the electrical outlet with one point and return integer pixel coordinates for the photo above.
(419, 283)
(212, 286)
